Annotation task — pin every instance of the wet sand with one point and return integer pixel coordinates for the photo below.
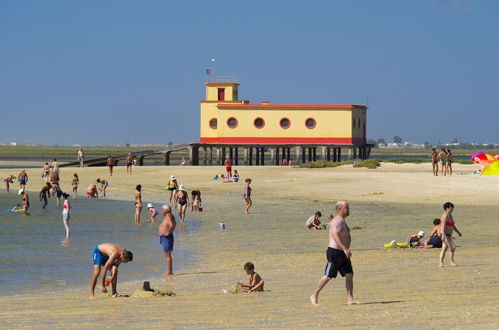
(400, 287)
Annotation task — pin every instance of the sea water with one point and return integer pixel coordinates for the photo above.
(35, 257)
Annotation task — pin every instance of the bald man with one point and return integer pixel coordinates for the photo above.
(338, 254)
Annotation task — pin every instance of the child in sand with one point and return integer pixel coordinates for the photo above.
(196, 200)
(103, 185)
(414, 240)
(17, 208)
(255, 281)
(152, 211)
(313, 221)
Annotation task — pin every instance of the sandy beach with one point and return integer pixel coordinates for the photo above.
(399, 287)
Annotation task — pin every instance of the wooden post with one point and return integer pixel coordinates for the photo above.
(167, 158)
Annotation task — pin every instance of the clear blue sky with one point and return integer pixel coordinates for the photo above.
(112, 72)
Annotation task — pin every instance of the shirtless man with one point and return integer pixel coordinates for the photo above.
(45, 194)
(22, 177)
(434, 161)
(338, 254)
(110, 164)
(447, 227)
(166, 240)
(55, 166)
(110, 256)
(228, 166)
(46, 172)
(8, 179)
(129, 163)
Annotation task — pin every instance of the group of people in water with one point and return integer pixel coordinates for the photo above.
(444, 158)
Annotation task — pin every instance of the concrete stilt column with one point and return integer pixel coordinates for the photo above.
(250, 156)
(298, 155)
(257, 156)
(309, 154)
(262, 156)
(236, 156)
(288, 154)
(167, 158)
(272, 155)
(205, 156)
(218, 156)
(328, 154)
(211, 156)
(222, 160)
(141, 160)
(231, 153)
(194, 155)
(303, 154)
(323, 153)
(245, 156)
(339, 154)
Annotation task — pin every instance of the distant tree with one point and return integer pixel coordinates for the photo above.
(371, 141)
(427, 145)
(128, 145)
(454, 140)
(397, 139)
(381, 141)
(170, 143)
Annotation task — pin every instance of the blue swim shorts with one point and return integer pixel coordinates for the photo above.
(22, 181)
(98, 257)
(166, 242)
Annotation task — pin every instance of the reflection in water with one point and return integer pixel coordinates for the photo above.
(42, 254)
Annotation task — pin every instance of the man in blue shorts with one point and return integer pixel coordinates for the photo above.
(338, 254)
(110, 256)
(166, 239)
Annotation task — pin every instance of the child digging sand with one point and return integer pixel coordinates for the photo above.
(255, 281)
(153, 213)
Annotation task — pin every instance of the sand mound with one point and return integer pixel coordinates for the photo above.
(155, 293)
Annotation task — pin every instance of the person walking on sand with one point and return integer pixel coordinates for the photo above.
(129, 163)
(442, 155)
(183, 201)
(449, 161)
(45, 194)
(22, 177)
(228, 166)
(338, 254)
(110, 164)
(66, 206)
(434, 161)
(25, 198)
(74, 184)
(81, 157)
(110, 256)
(166, 239)
(447, 228)
(8, 179)
(138, 203)
(247, 195)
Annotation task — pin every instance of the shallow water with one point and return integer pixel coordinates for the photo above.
(36, 258)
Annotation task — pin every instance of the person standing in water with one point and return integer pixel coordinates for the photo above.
(45, 194)
(138, 203)
(166, 239)
(66, 206)
(25, 198)
(183, 201)
(22, 177)
(338, 254)
(74, 184)
(448, 227)
(129, 163)
(110, 164)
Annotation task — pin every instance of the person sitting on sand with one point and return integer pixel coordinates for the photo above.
(153, 213)
(110, 256)
(434, 240)
(8, 179)
(313, 221)
(166, 239)
(92, 191)
(414, 240)
(103, 185)
(255, 282)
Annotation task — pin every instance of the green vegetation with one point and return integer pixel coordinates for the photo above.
(66, 151)
(426, 152)
(369, 163)
(322, 164)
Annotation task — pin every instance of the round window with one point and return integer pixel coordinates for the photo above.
(285, 123)
(310, 123)
(232, 122)
(259, 123)
(213, 123)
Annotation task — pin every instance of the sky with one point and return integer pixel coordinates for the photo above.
(114, 72)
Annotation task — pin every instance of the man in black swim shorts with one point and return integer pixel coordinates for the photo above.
(338, 254)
